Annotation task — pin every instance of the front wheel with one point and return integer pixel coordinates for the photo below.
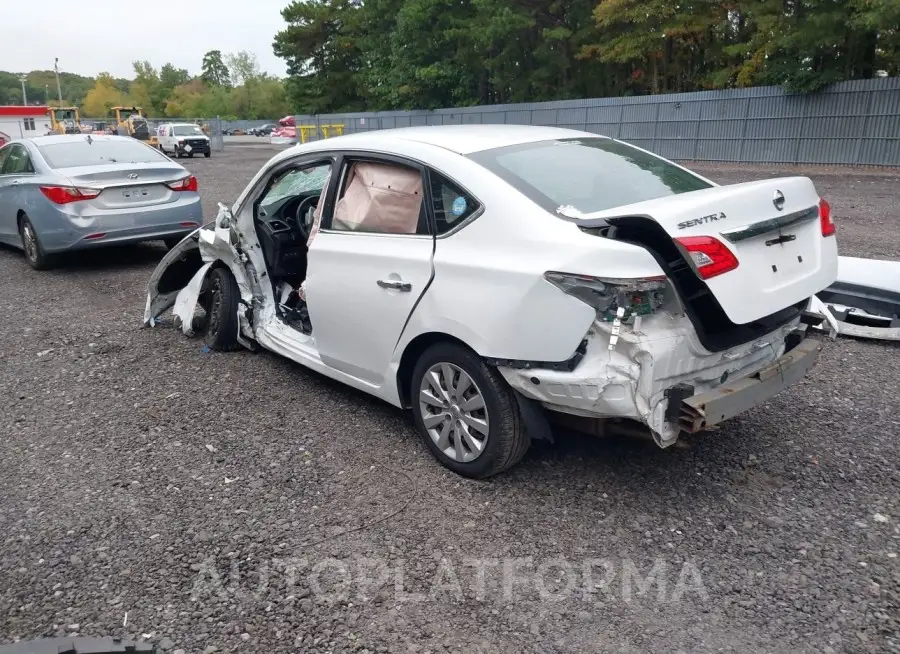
(221, 310)
(207, 154)
(466, 412)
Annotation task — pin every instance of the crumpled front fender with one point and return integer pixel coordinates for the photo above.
(173, 273)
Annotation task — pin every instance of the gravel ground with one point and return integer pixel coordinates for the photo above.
(238, 503)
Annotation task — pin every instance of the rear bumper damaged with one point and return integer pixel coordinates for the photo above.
(634, 378)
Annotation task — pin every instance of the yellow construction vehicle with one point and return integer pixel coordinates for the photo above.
(131, 121)
(64, 120)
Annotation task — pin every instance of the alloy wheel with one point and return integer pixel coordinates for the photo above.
(454, 412)
(29, 242)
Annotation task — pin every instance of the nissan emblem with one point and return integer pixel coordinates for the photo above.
(778, 200)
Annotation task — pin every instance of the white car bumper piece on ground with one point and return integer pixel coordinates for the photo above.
(490, 277)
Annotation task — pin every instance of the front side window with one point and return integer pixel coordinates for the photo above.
(380, 197)
(17, 161)
(309, 180)
(91, 152)
(588, 174)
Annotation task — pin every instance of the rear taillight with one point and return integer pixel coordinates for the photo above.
(67, 194)
(828, 227)
(638, 297)
(186, 184)
(709, 255)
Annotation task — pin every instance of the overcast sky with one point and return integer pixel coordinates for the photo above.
(106, 35)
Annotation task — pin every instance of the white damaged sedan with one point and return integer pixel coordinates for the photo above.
(493, 277)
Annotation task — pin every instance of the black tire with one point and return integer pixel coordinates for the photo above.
(190, 155)
(177, 153)
(31, 245)
(207, 154)
(172, 242)
(507, 440)
(221, 310)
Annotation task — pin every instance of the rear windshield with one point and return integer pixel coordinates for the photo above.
(96, 151)
(589, 174)
(186, 130)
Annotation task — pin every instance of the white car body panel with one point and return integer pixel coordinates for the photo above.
(769, 277)
(482, 283)
(342, 293)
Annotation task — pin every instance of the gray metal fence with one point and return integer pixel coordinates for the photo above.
(850, 123)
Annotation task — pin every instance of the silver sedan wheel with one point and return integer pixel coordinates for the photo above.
(29, 242)
(454, 412)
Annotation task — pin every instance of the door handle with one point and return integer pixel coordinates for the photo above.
(395, 284)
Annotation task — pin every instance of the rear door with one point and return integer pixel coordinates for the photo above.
(15, 174)
(7, 213)
(369, 263)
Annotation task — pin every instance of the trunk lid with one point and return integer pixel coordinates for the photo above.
(772, 227)
(127, 185)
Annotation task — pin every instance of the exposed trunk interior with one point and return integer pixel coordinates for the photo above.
(714, 329)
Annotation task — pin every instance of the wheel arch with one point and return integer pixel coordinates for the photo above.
(411, 353)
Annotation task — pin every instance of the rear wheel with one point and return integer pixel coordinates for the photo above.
(466, 412)
(34, 252)
(221, 310)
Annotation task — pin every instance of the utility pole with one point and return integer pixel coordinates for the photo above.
(24, 96)
(58, 87)
(47, 94)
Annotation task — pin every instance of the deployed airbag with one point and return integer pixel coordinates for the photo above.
(380, 198)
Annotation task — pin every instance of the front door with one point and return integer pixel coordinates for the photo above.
(369, 264)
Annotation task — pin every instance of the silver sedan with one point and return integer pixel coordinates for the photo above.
(61, 193)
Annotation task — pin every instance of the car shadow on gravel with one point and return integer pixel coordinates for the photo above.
(103, 259)
(581, 454)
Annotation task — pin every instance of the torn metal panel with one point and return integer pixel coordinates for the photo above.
(186, 302)
(647, 359)
(864, 302)
(704, 410)
(172, 273)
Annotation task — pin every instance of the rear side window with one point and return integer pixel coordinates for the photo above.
(589, 174)
(99, 151)
(17, 161)
(452, 205)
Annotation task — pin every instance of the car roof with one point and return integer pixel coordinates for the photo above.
(462, 139)
(75, 138)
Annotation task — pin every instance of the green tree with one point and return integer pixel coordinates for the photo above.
(321, 45)
(215, 72)
(170, 77)
(103, 96)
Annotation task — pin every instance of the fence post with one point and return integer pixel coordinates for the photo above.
(865, 126)
(621, 116)
(744, 129)
(697, 132)
(655, 141)
(800, 132)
